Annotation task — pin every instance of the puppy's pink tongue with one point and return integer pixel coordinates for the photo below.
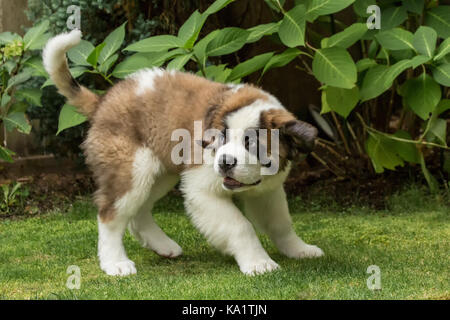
(231, 182)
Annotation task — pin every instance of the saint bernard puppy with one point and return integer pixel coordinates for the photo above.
(129, 150)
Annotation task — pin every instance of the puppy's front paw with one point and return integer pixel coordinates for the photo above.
(121, 268)
(260, 266)
(305, 251)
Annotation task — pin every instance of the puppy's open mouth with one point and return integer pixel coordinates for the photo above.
(232, 184)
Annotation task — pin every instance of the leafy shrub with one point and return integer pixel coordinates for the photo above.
(18, 57)
(388, 107)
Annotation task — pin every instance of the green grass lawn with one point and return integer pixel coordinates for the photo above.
(409, 241)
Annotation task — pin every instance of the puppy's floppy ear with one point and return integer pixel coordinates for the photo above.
(300, 138)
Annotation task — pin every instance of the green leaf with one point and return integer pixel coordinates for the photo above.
(334, 67)
(189, 31)
(346, 38)
(31, 38)
(80, 53)
(138, 61)
(396, 39)
(443, 50)
(443, 106)
(438, 128)
(40, 42)
(360, 7)
(441, 74)
(262, 30)
(17, 120)
(245, 68)
(19, 106)
(19, 78)
(415, 6)
(439, 19)
(216, 6)
(343, 101)
(31, 95)
(6, 154)
(95, 54)
(179, 62)
(156, 44)
(418, 60)
(216, 73)
(282, 59)
(112, 43)
(292, 27)
(69, 117)
(226, 41)
(424, 41)
(422, 95)
(378, 79)
(107, 64)
(317, 8)
(273, 6)
(407, 151)
(382, 153)
(393, 17)
(35, 63)
(365, 64)
(201, 46)
(431, 181)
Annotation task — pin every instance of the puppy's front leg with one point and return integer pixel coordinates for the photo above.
(227, 229)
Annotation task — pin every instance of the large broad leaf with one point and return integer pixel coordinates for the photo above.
(424, 41)
(108, 63)
(346, 38)
(35, 63)
(113, 42)
(360, 7)
(245, 68)
(31, 95)
(365, 64)
(95, 54)
(32, 37)
(179, 62)
(382, 153)
(17, 120)
(262, 30)
(226, 41)
(439, 19)
(69, 117)
(8, 37)
(334, 67)
(380, 78)
(292, 27)
(155, 44)
(443, 106)
(282, 59)
(396, 39)
(393, 17)
(201, 46)
(317, 8)
(407, 151)
(443, 50)
(216, 6)
(415, 6)
(422, 95)
(441, 74)
(418, 60)
(138, 61)
(19, 78)
(80, 53)
(190, 30)
(343, 101)
(438, 130)
(217, 73)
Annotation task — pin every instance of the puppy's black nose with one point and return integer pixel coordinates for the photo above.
(227, 162)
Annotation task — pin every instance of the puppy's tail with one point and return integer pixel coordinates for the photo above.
(55, 63)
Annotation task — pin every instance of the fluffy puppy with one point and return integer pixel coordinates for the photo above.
(130, 150)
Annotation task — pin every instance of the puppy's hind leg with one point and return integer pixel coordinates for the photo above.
(114, 218)
(144, 227)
